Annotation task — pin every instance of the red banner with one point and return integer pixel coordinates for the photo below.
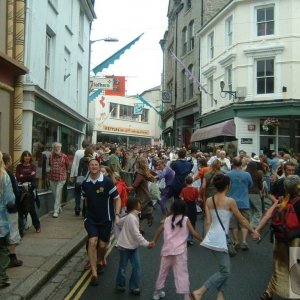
(118, 86)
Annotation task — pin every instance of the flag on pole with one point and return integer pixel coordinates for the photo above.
(189, 74)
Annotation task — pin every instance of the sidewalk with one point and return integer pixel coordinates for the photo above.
(44, 253)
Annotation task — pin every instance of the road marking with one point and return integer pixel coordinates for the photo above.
(85, 279)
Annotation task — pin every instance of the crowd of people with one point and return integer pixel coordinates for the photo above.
(117, 187)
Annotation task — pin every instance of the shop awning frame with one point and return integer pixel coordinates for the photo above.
(226, 128)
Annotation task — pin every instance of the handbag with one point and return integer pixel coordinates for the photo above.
(231, 249)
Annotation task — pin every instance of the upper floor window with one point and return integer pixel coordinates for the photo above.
(228, 31)
(191, 36)
(228, 73)
(184, 41)
(211, 90)
(81, 28)
(113, 110)
(183, 83)
(145, 115)
(191, 84)
(211, 46)
(265, 76)
(188, 4)
(47, 60)
(265, 21)
(79, 85)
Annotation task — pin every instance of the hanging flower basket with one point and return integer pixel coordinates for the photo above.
(270, 123)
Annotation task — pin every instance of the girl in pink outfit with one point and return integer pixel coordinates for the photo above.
(176, 227)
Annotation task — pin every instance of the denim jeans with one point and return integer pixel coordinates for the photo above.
(219, 279)
(134, 257)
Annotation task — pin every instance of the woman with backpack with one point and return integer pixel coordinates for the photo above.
(285, 225)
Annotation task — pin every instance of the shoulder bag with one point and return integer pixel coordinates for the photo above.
(231, 249)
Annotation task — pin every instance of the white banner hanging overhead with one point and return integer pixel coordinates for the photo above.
(101, 83)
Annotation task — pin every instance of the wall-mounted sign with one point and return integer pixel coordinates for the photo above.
(246, 141)
(251, 127)
(126, 130)
(138, 109)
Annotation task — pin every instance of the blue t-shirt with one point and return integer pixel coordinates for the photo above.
(241, 181)
(100, 199)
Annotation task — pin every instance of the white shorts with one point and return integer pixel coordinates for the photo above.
(14, 235)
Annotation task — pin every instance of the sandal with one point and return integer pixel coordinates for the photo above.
(265, 296)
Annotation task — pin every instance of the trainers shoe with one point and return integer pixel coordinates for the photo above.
(158, 295)
(244, 247)
(55, 215)
(5, 283)
(135, 291)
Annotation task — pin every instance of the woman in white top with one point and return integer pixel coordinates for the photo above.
(215, 238)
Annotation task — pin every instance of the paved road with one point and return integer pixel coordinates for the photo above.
(250, 271)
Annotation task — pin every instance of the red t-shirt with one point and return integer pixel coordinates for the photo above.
(189, 193)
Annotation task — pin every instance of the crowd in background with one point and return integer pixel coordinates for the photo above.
(152, 174)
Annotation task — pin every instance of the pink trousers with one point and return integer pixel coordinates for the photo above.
(180, 270)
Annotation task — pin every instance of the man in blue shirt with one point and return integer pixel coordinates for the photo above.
(103, 207)
(241, 181)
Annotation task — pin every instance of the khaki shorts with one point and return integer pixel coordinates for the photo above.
(14, 235)
(234, 223)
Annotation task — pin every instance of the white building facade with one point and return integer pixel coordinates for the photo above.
(252, 47)
(114, 120)
(57, 54)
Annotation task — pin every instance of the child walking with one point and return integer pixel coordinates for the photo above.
(176, 228)
(128, 242)
(190, 195)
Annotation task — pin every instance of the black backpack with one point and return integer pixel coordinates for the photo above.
(26, 201)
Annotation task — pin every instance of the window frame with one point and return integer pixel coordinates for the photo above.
(191, 35)
(211, 90)
(265, 77)
(265, 21)
(183, 83)
(191, 83)
(184, 41)
(48, 58)
(229, 30)
(210, 43)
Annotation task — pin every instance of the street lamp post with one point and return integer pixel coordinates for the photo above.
(109, 40)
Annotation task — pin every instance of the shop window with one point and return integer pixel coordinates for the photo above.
(44, 134)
